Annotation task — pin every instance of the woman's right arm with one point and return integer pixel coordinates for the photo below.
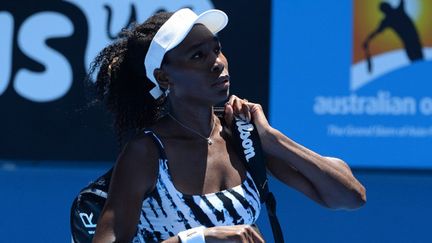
(133, 177)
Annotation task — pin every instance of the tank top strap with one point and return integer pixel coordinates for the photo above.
(158, 143)
(164, 177)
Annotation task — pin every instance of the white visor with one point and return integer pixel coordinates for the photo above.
(172, 33)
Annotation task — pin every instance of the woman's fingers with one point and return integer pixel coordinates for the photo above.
(248, 111)
(231, 99)
(245, 110)
(228, 114)
(237, 108)
(257, 237)
(235, 233)
(240, 108)
(251, 234)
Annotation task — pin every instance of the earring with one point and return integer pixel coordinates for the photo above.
(167, 91)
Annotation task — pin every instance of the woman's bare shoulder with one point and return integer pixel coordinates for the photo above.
(136, 168)
(134, 176)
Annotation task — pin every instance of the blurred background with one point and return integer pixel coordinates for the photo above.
(349, 79)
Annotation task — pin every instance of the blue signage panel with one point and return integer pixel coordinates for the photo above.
(48, 112)
(353, 79)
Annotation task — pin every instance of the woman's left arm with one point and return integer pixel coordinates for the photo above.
(328, 181)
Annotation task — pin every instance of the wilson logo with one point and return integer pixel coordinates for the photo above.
(87, 221)
(245, 130)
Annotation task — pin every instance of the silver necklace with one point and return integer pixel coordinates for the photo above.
(208, 139)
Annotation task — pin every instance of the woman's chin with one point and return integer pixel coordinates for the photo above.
(223, 96)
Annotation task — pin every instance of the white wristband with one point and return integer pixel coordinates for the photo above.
(194, 235)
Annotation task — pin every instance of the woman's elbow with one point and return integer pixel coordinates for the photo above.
(360, 197)
(350, 201)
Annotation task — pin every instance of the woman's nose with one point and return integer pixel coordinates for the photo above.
(218, 65)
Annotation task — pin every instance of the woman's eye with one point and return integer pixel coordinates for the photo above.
(197, 55)
(217, 50)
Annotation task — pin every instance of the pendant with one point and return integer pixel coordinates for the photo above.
(209, 141)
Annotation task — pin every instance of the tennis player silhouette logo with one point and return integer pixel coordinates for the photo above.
(389, 36)
(397, 19)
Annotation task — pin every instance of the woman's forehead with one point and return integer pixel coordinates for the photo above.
(197, 36)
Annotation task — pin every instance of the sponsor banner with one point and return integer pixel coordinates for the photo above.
(47, 47)
(353, 79)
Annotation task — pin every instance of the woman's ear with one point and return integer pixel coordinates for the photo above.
(161, 77)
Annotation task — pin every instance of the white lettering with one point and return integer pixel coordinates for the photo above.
(379, 131)
(250, 152)
(98, 11)
(87, 220)
(381, 104)
(426, 106)
(56, 80)
(6, 46)
(247, 143)
(245, 128)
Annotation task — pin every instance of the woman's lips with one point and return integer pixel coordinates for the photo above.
(222, 82)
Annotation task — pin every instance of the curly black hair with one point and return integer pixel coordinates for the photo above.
(121, 83)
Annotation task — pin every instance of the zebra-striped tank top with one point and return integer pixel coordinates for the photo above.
(166, 211)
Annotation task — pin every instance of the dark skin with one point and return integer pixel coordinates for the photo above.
(196, 73)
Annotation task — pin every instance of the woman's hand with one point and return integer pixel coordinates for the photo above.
(245, 110)
(234, 234)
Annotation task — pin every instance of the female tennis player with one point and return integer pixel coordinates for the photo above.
(179, 177)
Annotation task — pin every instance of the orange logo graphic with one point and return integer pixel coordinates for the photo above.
(389, 35)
